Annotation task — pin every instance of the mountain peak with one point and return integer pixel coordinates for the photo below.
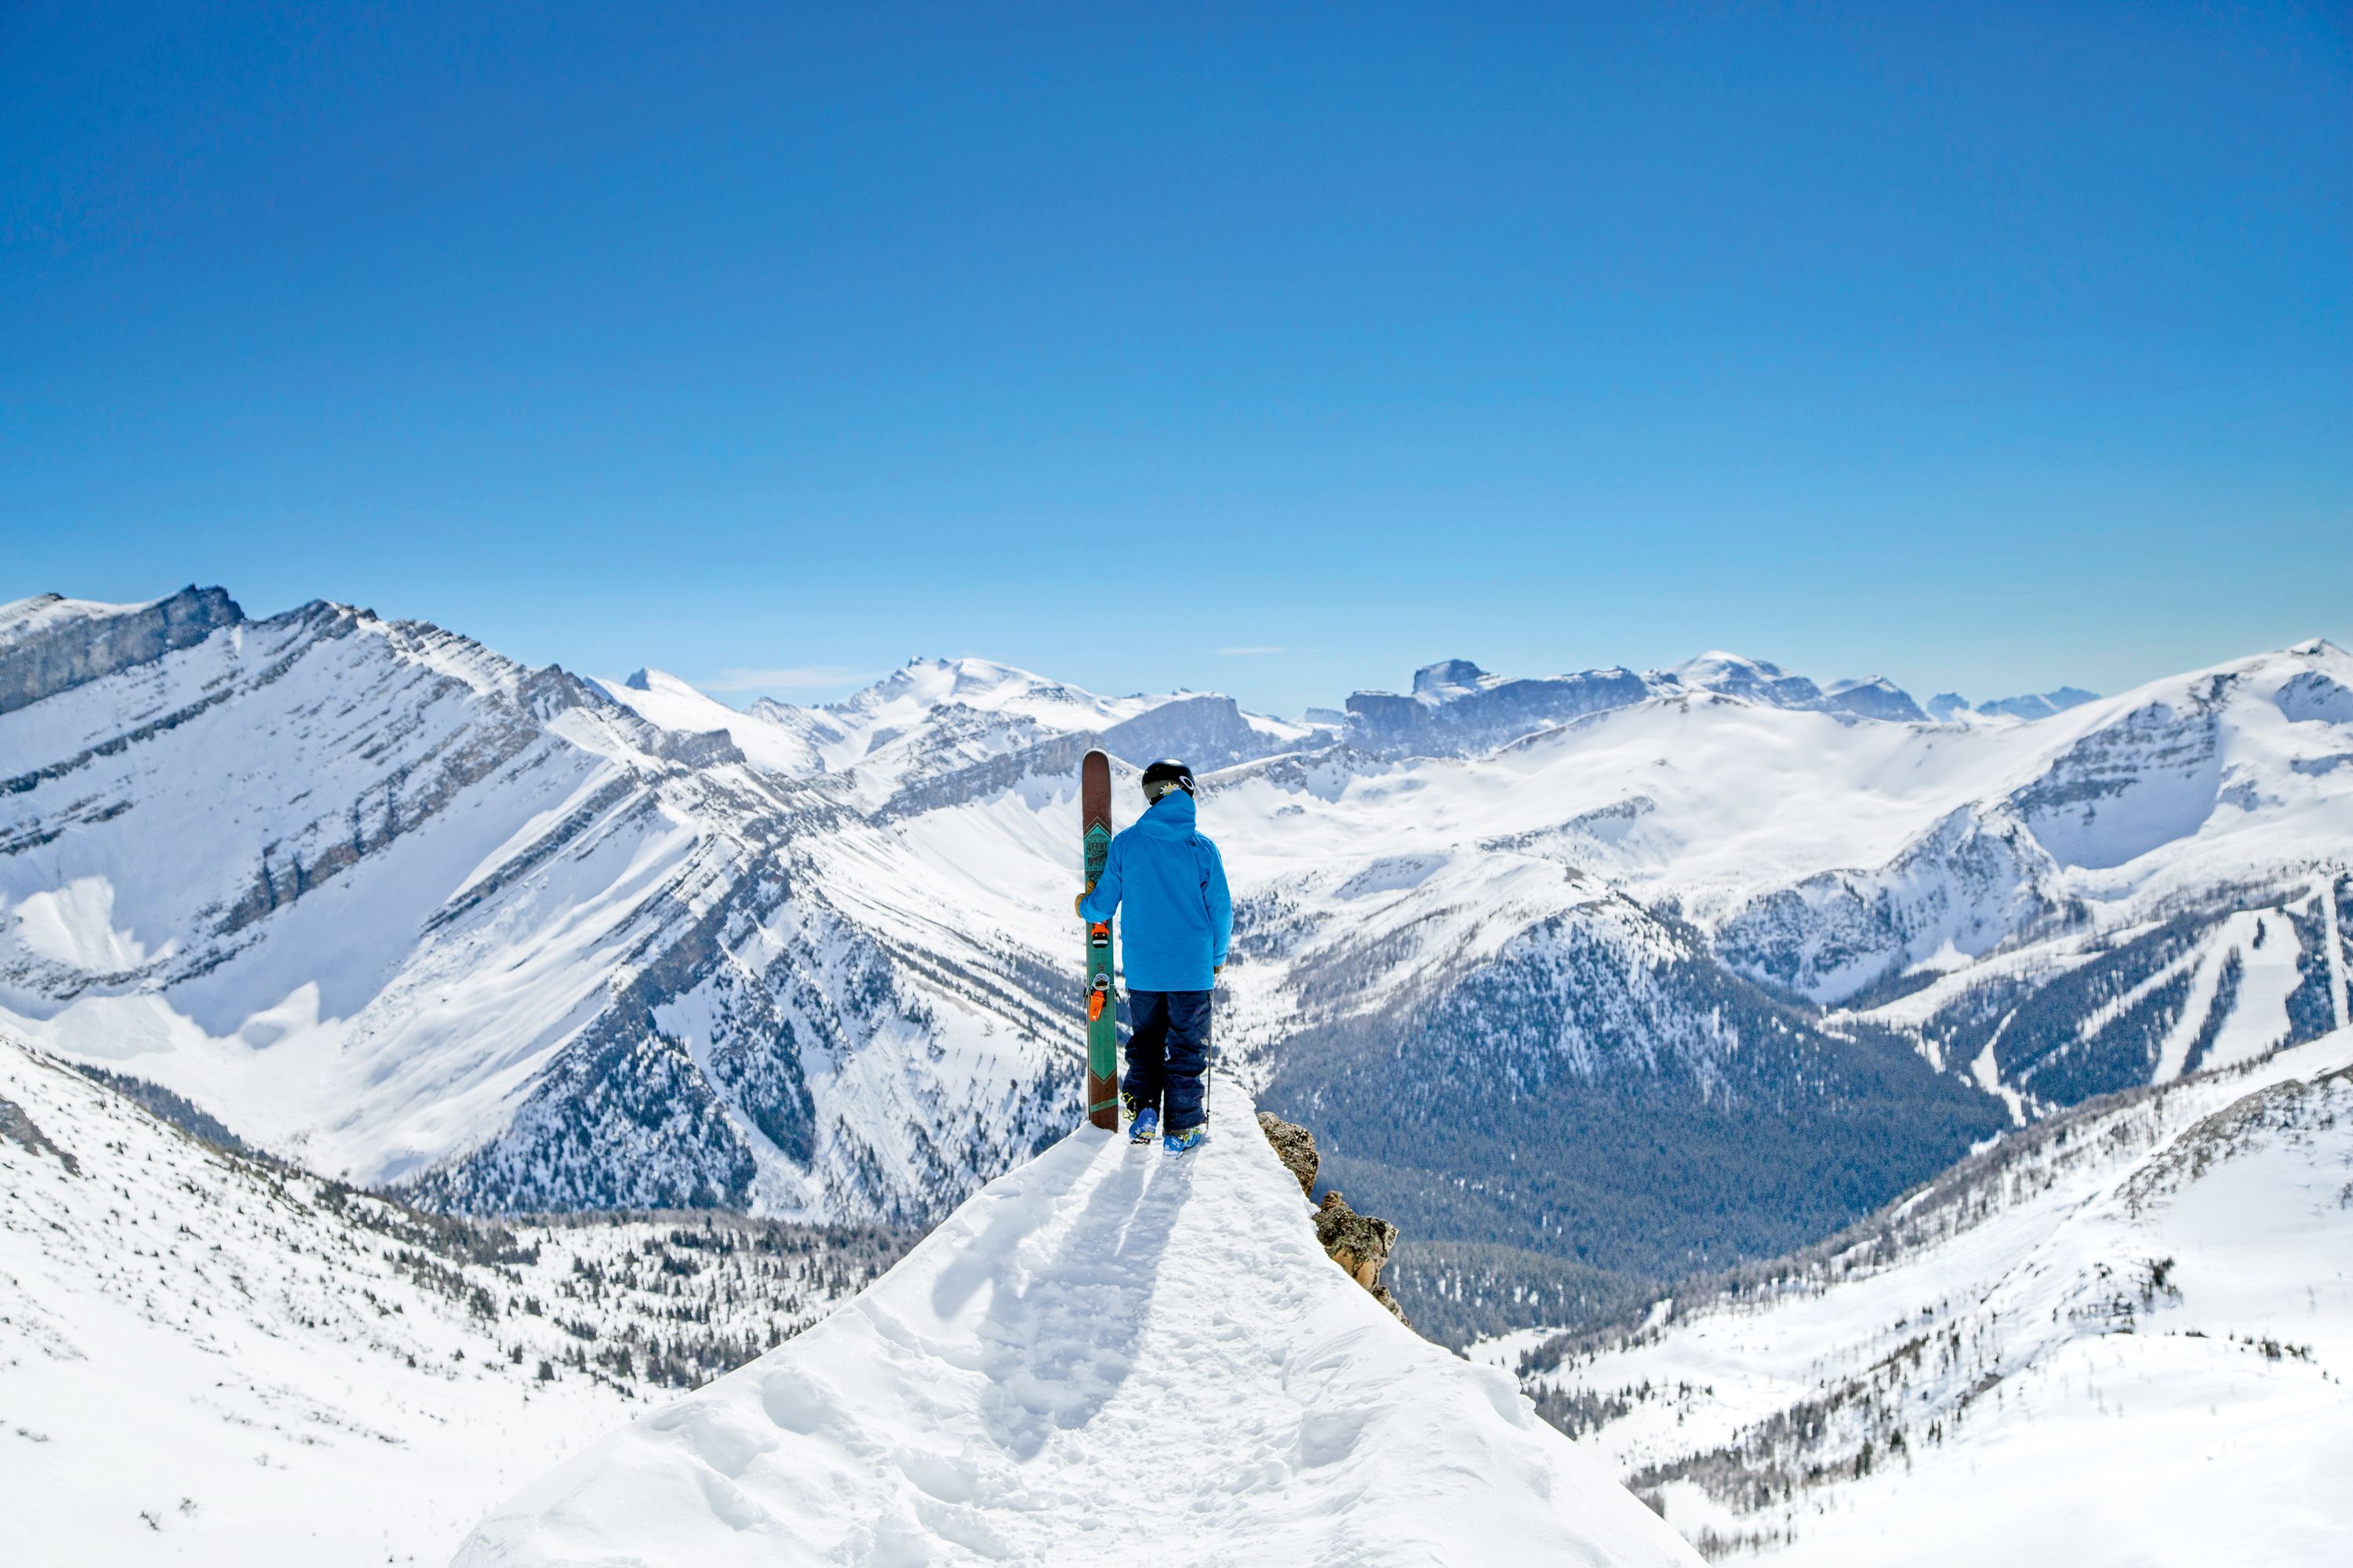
(49, 643)
(767, 736)
(1718, 663)
(1447, 678)
(1875, 696)
(933, 680)
(1754, 680)
(646, 678)
(2038, 704)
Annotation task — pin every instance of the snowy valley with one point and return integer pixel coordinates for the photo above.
(2123, 1335)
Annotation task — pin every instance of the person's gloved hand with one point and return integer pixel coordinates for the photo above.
(1076, 900)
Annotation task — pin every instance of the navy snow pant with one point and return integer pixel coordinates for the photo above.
(1167, 1051)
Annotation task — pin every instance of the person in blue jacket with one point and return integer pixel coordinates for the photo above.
(1178, 918)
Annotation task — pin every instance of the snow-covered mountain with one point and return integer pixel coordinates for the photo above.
(209, 1357)
(1659, 968)
(1646, 985)
(938, 721)
(2123, 1335)
(2032, 705)
(1458, 709)
(213, 1359)
(664, 701)
(1104, 1354)
(939, 715)
(395, 907)
(50, 642)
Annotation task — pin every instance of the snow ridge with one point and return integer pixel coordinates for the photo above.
(1106, 1351)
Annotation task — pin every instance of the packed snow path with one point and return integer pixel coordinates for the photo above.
(1109, 1353)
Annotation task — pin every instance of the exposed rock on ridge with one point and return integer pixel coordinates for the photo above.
(1359, 1243)
(1295, 1146)
(67, 644)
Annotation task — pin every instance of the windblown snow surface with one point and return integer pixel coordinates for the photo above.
(1107, 1353)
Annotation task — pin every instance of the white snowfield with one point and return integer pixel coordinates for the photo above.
(661, 698)
(1107, 1354)
(208, 1360)
(195, 1368)
(2127, 1346)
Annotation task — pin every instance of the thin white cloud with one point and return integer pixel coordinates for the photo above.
(795, 678)
(1247, 652)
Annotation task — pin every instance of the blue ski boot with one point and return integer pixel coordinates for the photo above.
(1184, 1143)
(1146, 1127)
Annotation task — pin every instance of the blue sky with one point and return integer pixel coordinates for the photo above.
(1993, 350)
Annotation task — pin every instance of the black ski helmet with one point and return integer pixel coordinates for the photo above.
(1164, 776)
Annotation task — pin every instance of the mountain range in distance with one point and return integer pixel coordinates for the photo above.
(1588, 979)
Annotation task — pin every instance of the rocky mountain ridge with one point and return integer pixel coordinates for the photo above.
(386, 902)
(395, 906)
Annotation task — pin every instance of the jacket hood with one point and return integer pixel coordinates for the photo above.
(1173, 812)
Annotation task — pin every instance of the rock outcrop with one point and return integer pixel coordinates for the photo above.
(1295, 1146)
(1359, 1243)
(52, 643)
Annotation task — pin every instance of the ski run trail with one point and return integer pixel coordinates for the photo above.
(1108, 1354)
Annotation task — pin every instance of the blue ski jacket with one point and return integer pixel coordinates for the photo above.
(1172, 884)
